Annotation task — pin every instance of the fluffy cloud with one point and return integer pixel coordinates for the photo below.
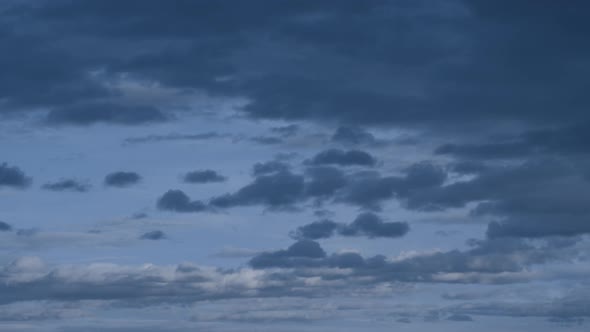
(153, 235)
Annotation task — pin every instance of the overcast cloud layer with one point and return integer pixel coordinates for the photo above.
(294, 165)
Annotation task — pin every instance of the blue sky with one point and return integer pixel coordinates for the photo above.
(294, 165)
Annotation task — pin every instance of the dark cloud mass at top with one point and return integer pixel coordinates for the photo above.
(360, 130)
(503, 68)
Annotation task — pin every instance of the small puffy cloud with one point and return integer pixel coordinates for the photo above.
(122, 179)
(178, 201)
(370, 225)
(12, 176)
(203, 176)
(5, 227)
(71, 185)
(153, 235)
(343, 158)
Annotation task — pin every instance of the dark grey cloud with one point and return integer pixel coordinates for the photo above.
(153, 235)
(365, 224)
(178, 201)
(268, 167)
(122, 179)
(279, 190)
(5, 227)
(67, 185)
(343, 158)
(203, 176)
(353, 135)
(12, 176)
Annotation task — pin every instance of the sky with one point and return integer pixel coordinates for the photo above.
(294, 165)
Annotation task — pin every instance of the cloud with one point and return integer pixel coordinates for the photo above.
(12, 176)
(366, 224)
(5, 227)
(343, 158)
(203, 176)
(122, 179)
(279, 190)
(153, 235)
(67, 185)
(178, 201)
